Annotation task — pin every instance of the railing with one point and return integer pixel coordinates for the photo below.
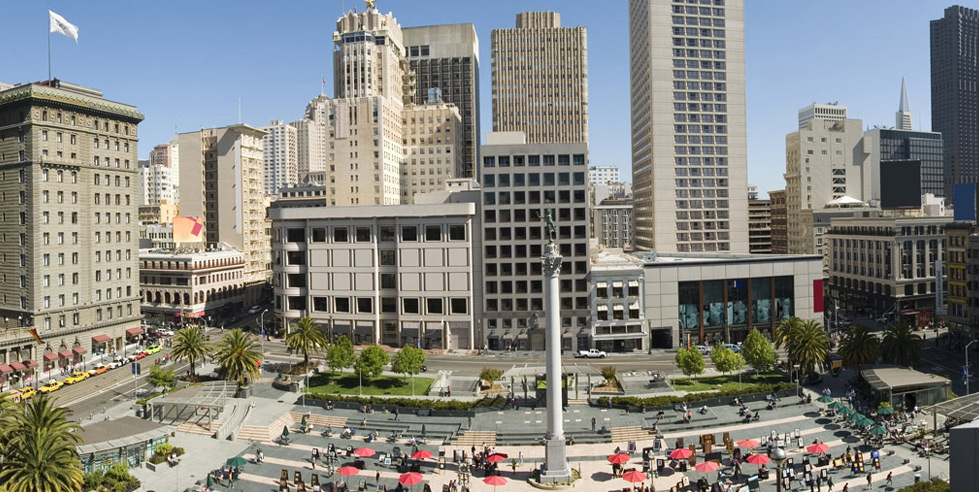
(229, 429)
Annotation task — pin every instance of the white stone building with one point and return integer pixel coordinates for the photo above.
(280, 162)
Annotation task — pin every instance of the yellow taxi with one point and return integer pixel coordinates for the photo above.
(53, 385)
(77, 377)
(26, 392)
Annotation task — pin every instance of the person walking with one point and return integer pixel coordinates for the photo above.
(397, 414)
(890, 479)
(829, 484)
(594, 422)
(377, 479)
(520, 457)
(870, 480)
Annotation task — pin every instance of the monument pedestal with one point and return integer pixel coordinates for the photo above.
(556, 468)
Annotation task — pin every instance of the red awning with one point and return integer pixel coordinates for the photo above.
(4, 368)
(51, 356)
(65, 353)
(101, 338)
(17, 366)
(134, 331)
(30, 363)
(198, 314)
(79, 350)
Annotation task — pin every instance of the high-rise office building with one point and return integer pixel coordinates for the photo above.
(540, 79)
(226, 186)
(825, 112)
(759, 223)
(433, 148)
(280, 161)
(68, 229)
(156, 183)
(605, 174)
(779, 218)
(446, 57)
(689, 164)
(520, 181)
(954, 100)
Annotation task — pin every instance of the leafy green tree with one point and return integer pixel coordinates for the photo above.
(489, 374)
(408, 361)
(758, 351)
(725, 360)
(609, 373)
(238, 357)
(190, 344)
(340, 355)
(371, 362)
(690, 362)
(808, 345)
(40, 452)
(901, 345)
(859, 347)
(306, 337)
(162, 376)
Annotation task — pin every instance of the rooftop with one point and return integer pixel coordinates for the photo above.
(110, 434)
(897, 378)
(654, 258)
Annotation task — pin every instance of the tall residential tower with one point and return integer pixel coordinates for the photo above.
(689, 164)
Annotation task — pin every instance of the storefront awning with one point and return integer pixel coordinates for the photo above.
(17, 366)
(134, 331)
(79, 350)
(633, 283)
(101, 338)
(28, 363)
(601, 285)
(601, 307)
(618, 307)
(617, 285)
(4, 368)
(634, 305)
(65, 353)
(51, 356)
(198, 314)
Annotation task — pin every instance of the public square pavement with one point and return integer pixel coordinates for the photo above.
(791, 417)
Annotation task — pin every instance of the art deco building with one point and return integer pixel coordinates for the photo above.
(446, 57)
(540, 79)
(689, 164)
(225, 184)
(68, 226)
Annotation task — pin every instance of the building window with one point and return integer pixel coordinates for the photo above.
(459, 305)
(410, 306)
(409, 233)
(433, 233)
(319, 235)
(342, 304)
(340, 234)
(363, 234)
(365, 305)
(319, 304)
(434, 305)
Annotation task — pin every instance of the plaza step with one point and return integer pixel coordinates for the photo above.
(266, 433)
(625, 434)
(320, 421)
(578, 402)
(199, 428)
(476, 438)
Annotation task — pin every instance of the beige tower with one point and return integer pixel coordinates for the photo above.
(433, 148)
(540, 79)
(68, 226)
(689, 163)
(281, 160)
(222, 180)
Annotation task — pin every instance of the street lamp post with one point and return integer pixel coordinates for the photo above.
(967, 366)
(777, 455)
(262, 333)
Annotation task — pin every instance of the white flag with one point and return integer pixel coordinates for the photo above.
(60, 25)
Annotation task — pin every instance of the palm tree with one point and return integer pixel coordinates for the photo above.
(859, 346)
(41, 450)
(7, 411)
(901, 346)
(808, 345)
(306, 336)
(190, 344)
(238, 356)
(780, 337)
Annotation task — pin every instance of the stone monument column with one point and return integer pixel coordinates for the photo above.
(556, 467)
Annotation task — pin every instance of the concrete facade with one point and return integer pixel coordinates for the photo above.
(605, 174)
(380, 274)
(68, 186)
(612, 223)
(714, 298)
(519, 181)
(689, 150)
(760, 226)
(156, 183)
(825, 112)
(540, 79)
(281, 166)
(780, 238)
(177, 285)
(433, 138)
(446, 57)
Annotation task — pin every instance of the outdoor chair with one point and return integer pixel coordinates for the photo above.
(314, 480)
(297, 478)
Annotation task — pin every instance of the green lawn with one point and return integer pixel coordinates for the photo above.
(347, 384)
(729, 382)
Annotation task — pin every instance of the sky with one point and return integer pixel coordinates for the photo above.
(186, 64)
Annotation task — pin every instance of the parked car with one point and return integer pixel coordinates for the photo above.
(26, 392)
(139, 356)
(118, 363)
(53, 385)
(734, 348)
(704, 350)
(592, 354)
(152, 349)
(77, 377)
(100, 369)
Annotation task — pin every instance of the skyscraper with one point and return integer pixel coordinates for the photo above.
(689, 164)
(446, 57)
(280, 161)
(902, 119)
(69, 226)
(954, 100)
(540, 79)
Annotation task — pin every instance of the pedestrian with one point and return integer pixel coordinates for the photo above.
(829, 484)
(608, 403)
(520, 457)
(470, 422)
(377, 478)
(870, 479)
(397, 414)
(448, 391)
(890, 479)
(594, 422)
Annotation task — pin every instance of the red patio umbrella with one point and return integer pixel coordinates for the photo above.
(618, 459)
(410, 478)
(706, 466)
(496, 458)
(347, 471)
(747, 443)
(365, 452)
(818, 448)
(421, 454)
(634, 476)
(681, 454)
(494, 480)
(758, 459)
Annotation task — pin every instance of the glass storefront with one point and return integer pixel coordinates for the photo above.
(784, 293)
(132, 455)
(714, 311)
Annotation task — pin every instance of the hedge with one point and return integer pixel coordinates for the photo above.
(412, 402)
(670, 400)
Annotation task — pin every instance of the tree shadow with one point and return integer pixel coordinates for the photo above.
(601, 476)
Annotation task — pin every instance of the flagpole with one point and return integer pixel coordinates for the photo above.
(49, 52)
